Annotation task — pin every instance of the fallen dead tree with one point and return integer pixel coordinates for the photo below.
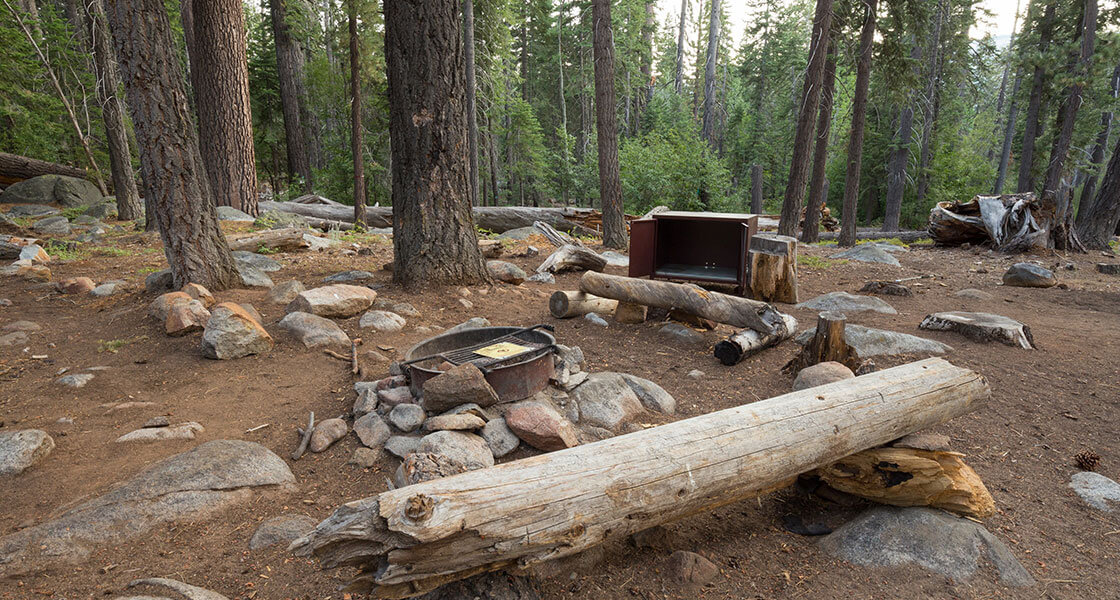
(907, 237)
(15, 168)
(750, 342)
(413, 539)
(571, 254)
(1010, 222)
(284, 240)
(565, 304)
(721, 308)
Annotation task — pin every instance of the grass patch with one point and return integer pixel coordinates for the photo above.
(263, 249)
(823, 243)
(148, 270)
(1115, 245)
(113, 346)
(892, 241)
(65, 250)
(73, 212)
(111, 251)
(816, 262)
(23, 222)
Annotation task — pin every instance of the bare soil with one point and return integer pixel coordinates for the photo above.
(1047, 405)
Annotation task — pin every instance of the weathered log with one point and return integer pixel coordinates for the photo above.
(981, 327)
(274, 239)
(773, 268)
(497, 219)
(721, 308)
(827, 344)
(15, 168)
(490, 248)
(412, 539)
(630, 313)
(564, 304)
(907, 236)
(912, 477)
(554, 237)
(750, 342)
(572, 258)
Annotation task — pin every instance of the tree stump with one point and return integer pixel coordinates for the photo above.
(630, 313)
(773, 268)
(827, 344)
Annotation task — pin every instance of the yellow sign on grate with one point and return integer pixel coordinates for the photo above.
(501, 350)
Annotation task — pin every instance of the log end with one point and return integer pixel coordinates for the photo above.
(728, 353)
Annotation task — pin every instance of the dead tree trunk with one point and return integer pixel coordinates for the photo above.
(818, 191)
(756, 189)
(564, 304)
(415, 538)
(174, 176)
(749, 342)
(15, 168)
(827, 344)
(610, 187)
(847, 235)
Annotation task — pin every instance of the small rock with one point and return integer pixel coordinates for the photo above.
(973, 294)
(463, 384)
(284, 530)
(33, 272)
(606, 400)
(679, 334)
(372, 430)
(504, 271)
(695, 374)
(109, 288)
(5, 302)
(472, 323)
(389, 399)
(256, 261)
(25, 326)
(595, 319)
(326, 433)
(15, 338)
(652, 396)
(1095, 489)
(382, 321)
(182, 431)
(407, 417)
(158, 281)
(401, 446)
(466, 449)
(467, 304)
(821, 374)
(160, 421)
(500, 437)
(545, 277)
(229, 213)
(233, 333)
(161, 306)
(616, 259)
(847, 303)
(252, 312)
(689, 568)
(886, 288)
(540, 426)
(868, 253)
(285, 292)
(405, 309)
(76, 380)
(20, 450)
(348, 277)
(1029, 275)
(365, 458)
(459, 422)
(186, 317)
(52, 226)
(337, 300)
(314, 331)
(199, 293)
(34, 253)
(253, 277)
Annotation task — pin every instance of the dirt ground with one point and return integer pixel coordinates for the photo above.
(1047, 405)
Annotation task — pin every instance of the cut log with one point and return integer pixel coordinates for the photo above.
(981, 327)
(773, 268)
(721, 308)
(629, 313)
(410, 540)
(911, 477)
(555, 237)
(497, 219)
(750, 342)
(285, 240)
(490, 248)
(827, 344)
(15, 168)
(572, 258)
(563, 304)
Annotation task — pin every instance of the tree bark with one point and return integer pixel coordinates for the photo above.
(756, 189)
(15, 168)
(826, 345)
(1101, 221)
(1034, 107)
(225, 119)
(293, 96)
(932, 104)
(129, 206)
(678, 81)
(566, 304)
(847, 235)
(707, 131)
(773, 263)
(818, 190)
(472, 116)
(171, 166)
(806, 119)
(1008, 135)
(1085, 207)
(896, 169)
(412, 539)
(434, 239)
(648, 53)
(610, 187)
(748, 342)
(356, 114)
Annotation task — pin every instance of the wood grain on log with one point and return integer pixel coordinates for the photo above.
(564, 304)
(572, 258)
(721, 308)
(827, 344)
(15, 168)
(273, 239)
(750, 342)
(773, 268)
(412, 539)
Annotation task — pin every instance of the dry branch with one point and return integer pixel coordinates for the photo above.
(572, 258)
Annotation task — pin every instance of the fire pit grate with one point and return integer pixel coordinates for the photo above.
(491, 353)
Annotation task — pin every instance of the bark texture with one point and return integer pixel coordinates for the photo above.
(678, 81)
(174, 177)
(708, 126)
(1101, 221)
(1088, 193)
(1034, 107)
(356, 115)
(610, 186)
(472, 116)
(293, 95)
(847, 235)
(896, 169)
(434, 239)
(818, 190)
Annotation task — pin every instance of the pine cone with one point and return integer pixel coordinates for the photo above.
(1087, 460)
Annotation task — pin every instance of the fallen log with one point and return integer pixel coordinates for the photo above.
(721, 308)
(981, 327)
(554, 237)
(572, 258)
(284, 240)
(827, 344)
(912, 477)
(15, 168)
(564, 304)
(750, 342)
(908, 236)
(413, 539)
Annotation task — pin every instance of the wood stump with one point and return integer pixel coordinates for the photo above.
(630, 313)
(773, 268)
(827, 344)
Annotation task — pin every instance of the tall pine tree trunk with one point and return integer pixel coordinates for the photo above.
(932, 101)
(563, 101)
(225, 118)
(810, 101)
(129, 206)
(174, 176)
(610, 187)
(1008, 135)
(472, 116)
(1034, 107)
(434, 239)
(896, 169)
(1103, 216)
(647, 54)
(818, 190)
(678, 81)
(847, 235)
(356, 115)
(293, 95)
(707, 131)
(1089, 191)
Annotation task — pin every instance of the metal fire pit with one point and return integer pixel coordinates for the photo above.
(514, 378)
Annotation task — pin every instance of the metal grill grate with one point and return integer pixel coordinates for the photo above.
(469, 354)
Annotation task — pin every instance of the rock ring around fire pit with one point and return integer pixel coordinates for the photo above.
(517, 362)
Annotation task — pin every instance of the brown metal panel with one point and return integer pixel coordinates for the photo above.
(643, 234)
(744, 263)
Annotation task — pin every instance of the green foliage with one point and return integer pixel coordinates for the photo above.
(60, 250)
(114, 346)
(816, 262)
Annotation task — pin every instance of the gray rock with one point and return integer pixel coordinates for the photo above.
(285, 292)
(75, 380)
(407, 417)
(253, 277)
(327, 432)
(252, 311)
(103, 210)
(158, 282)
(21, 449)
(885, 247)
(847, 303)
(471, 323)
(973, 294)
(545, 277)
(110, 288)
(821, 374)
(464, 384)
(888, 536)
(32, 210)
(189, 486)
(382, 321)
(25, 326)
(696, 374)
(281, 530)
(870, 342)
(15, 338)
(33, 253)
(182, 431)
(405, 309)
(401, 446)
(454, 422)
(52, 226)
(868, 253)
(676, 333)
(505, 271)
(229, 213)
(616, 259)
(256, 261)
(1096, 489)
(520, 233)
(335, 300)
(390, 398)
(348, 277)
(275, 219)
(190, 592)
(652, 396)
(160, 421)
(366, 402)
(365, 458)
(499, 437)
(372, 430)
(689, 568)
(233, 333)
(606, 400)
(466, 449)
(1029, 275)
(571, 357)
(314, 331)
(52, 189)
